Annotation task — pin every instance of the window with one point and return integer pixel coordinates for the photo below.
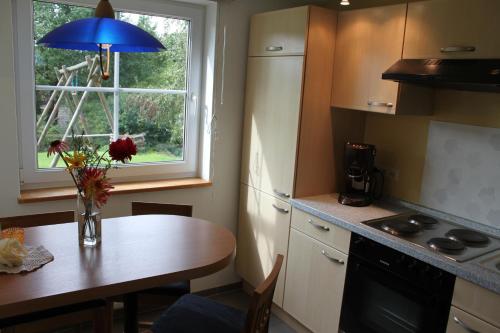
(151, 97)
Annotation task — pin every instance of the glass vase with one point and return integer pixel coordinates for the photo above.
(89, 222)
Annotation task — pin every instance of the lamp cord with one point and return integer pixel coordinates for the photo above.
(104, 73)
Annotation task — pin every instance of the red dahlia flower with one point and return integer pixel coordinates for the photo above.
(96, 186)
(57, 147)
(122, 149)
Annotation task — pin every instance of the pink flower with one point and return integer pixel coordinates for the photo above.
(122, 150)
(57, 147)
(96, 185)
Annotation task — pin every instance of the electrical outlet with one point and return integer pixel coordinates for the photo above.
(392, 174)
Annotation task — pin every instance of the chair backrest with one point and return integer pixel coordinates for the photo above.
(259, 311)
(27, 221)
(148, 208)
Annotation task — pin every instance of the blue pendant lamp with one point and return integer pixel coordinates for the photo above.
(100, 32)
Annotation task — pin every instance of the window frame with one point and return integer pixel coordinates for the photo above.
(25, 88)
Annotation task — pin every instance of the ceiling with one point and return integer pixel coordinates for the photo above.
(368, 3)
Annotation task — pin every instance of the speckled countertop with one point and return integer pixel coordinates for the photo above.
(327, 208)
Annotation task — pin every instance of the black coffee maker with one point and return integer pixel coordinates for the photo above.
(362, 179)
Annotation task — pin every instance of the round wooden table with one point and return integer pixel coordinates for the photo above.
(136, 253)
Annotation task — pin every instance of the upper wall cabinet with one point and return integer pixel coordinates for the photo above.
(369, 41)
(279, 33)
(452, 29)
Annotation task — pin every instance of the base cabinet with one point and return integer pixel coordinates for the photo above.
(474, 309)
(314, 283)
(463, 322)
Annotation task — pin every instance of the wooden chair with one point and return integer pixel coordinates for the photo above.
(36, 220)
(98, 312)
(149, 208)
(175, 290)
(195, 314)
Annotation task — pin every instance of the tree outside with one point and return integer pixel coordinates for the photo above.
(156, 119)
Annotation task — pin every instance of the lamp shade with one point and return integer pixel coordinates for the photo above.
(86, 34)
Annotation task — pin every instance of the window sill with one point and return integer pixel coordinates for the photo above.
(69, 192)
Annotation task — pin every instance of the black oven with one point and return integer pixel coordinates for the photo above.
(389, 292)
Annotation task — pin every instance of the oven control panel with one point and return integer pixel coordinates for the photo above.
(404, 266)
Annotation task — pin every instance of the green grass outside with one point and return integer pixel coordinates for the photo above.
(141, 157)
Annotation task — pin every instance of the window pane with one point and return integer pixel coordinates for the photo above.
(160, 70)
(48, 16)
(156, 121)
(93, 120)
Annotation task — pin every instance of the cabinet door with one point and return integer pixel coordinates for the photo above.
(478, 301)
(273, 96)
(262, 234)
(462, 28)
(282, 32)
(369, 41)
(351, 65)
(314, 283)
(462, 322)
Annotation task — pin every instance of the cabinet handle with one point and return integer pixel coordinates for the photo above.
(463, 325)
(319, 226)
(281, 210)
(452, 49)
(274, 48)
(281, 194)
(386, 104)
(335, 260)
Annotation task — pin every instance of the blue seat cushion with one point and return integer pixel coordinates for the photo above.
(195, 314)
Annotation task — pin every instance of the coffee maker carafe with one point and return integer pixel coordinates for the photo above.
(361, 177)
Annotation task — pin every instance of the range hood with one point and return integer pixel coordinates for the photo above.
(462, 74)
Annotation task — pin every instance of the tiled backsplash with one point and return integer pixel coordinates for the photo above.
(462, 172)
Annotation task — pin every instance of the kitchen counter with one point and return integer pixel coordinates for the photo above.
(327, 208)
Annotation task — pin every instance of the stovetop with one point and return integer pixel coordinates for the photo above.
(451, 240)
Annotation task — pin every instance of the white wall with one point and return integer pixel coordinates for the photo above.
(218, 203)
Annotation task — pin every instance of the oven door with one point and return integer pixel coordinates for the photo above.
(378, 301)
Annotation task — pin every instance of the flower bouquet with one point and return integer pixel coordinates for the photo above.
(88, 165)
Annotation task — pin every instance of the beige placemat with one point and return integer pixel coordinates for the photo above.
(36, 258)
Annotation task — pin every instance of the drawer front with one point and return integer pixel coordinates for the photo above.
(477, 301)
(463, 322)
(323, 231)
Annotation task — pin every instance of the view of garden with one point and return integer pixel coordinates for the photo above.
(155, 119)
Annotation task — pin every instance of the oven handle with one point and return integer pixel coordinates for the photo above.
(463, 325)
(335, 260)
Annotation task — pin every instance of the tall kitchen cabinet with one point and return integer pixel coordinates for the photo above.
(288, 138)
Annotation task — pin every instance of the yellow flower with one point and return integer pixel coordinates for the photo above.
(76, 161)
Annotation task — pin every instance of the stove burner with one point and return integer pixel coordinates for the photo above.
(468, 237)
(422, 219)
(446, 245)
(401, 228)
